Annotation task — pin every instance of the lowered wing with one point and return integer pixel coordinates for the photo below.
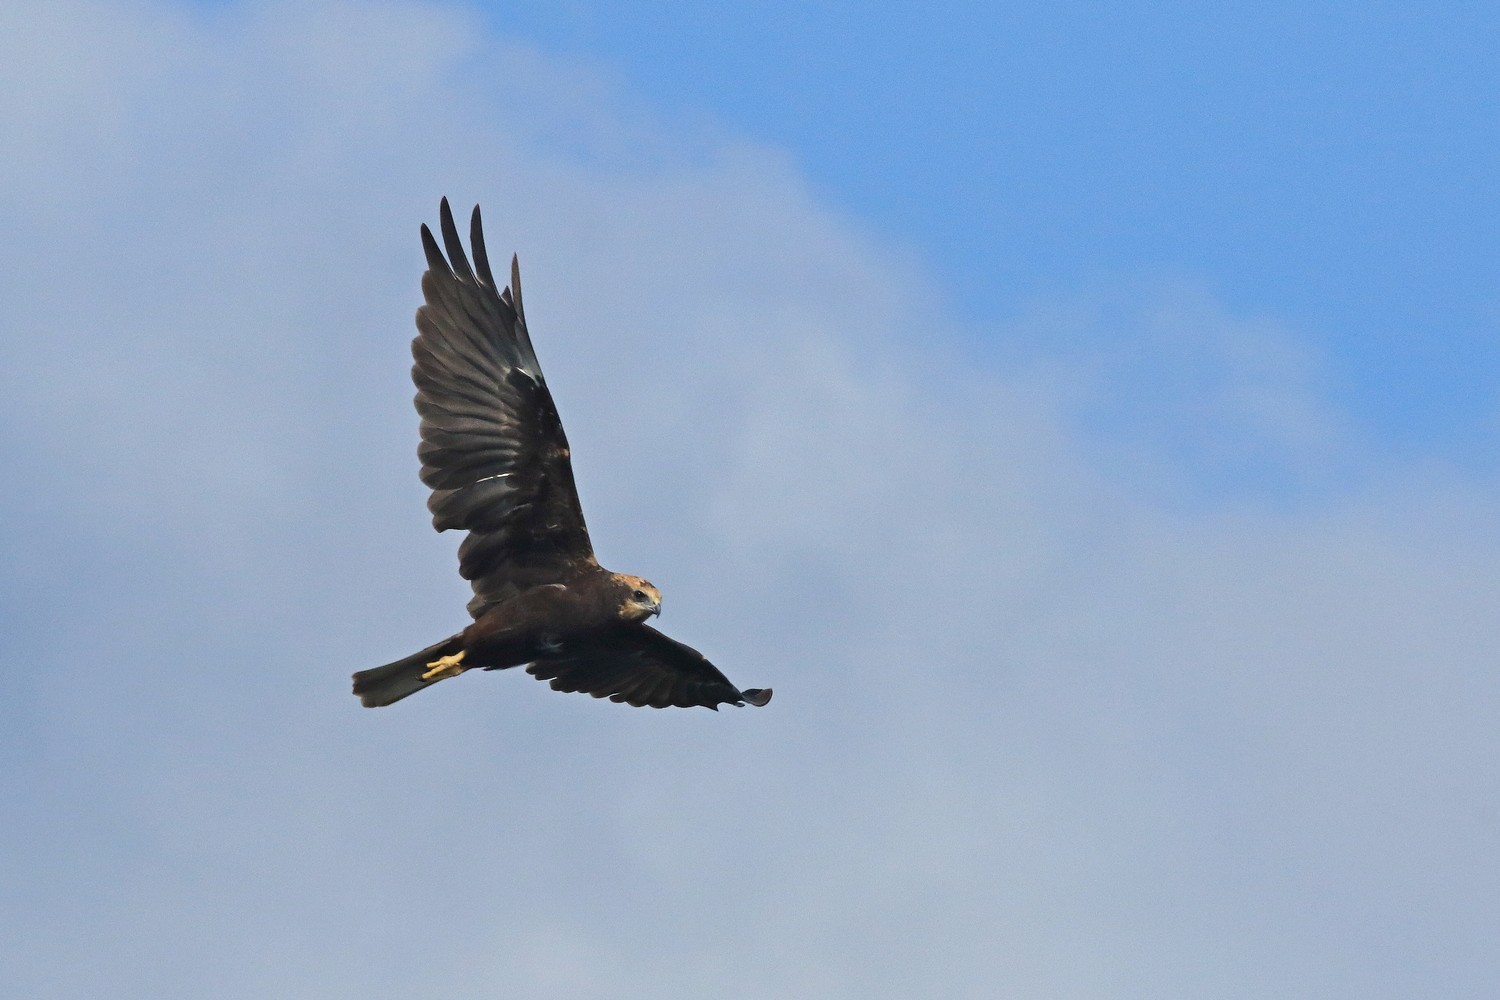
(638, 665)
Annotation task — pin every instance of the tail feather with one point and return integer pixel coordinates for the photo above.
(389, 684)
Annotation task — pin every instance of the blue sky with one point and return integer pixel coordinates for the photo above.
(1328, 165)
(1106, 489)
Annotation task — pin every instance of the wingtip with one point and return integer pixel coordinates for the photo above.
(759, 697)
(436, 262)
(476, 243)
(458, 261)
(515, 285)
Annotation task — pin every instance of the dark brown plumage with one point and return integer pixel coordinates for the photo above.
(494, 453)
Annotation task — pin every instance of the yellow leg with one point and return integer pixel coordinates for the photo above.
(447, 666)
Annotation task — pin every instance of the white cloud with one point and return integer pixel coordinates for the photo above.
(1049, 722)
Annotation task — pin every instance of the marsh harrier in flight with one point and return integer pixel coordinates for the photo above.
(494, 454)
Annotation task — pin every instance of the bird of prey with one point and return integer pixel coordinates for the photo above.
(494, 454)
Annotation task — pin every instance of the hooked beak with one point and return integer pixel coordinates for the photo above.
(656, 609)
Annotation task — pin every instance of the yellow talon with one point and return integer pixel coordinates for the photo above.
(447, 666)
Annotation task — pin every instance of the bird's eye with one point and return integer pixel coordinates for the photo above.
(640, 595)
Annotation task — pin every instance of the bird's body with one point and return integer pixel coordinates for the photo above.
(494, 453)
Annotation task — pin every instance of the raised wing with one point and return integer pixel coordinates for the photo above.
(493, 449)
(638, 665)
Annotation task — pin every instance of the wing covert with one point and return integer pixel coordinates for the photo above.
(493, 449)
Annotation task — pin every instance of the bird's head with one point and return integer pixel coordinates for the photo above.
(641, 600)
